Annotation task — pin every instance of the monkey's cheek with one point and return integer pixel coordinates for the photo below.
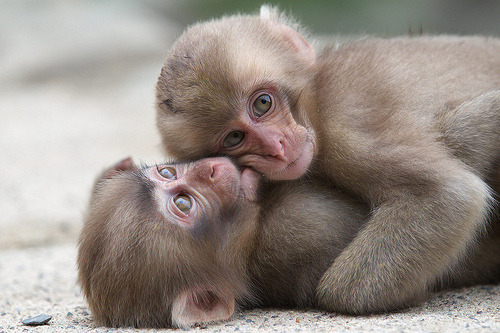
(249, 184)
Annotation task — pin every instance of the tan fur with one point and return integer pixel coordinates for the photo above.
(428, 205)
(409, 124)
(138, 269)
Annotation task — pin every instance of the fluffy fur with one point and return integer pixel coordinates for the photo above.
(410, 125)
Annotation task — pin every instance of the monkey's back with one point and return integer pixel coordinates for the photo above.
(376, 94)
(415, 74)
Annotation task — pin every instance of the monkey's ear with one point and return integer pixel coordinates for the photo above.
(202, 305)
(296, 40)
(123, 165)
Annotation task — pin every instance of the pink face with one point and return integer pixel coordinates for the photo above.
(184, 192)
(267, 138)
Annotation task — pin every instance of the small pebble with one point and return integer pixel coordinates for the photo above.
(37, 321)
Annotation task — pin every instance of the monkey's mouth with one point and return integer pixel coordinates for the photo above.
(242, 168)
(295, 161)
(249, 179)
(298, 166)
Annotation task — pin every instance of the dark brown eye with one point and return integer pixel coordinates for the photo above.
(168, 172)
(183, 203)
(261, 105)
(233, 138)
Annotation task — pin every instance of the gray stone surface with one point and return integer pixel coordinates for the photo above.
(41, 319)
(76, 94)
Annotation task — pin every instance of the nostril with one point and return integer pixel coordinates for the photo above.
(282, 145)
(212, 172)
(278, 151)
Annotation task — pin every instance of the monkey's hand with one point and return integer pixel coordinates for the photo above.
(406, 245)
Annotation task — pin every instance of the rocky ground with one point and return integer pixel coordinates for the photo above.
(76, 94)
(41, 280)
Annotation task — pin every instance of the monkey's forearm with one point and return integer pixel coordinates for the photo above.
(407, 244)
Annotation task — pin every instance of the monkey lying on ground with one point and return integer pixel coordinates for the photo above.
(181, 244)
(380, 118)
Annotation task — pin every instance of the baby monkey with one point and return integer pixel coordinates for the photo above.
(184, 244)
(411, 125)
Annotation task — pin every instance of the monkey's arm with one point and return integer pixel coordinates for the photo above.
(428, 209)
(409, 242)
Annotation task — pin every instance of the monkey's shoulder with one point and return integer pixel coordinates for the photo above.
(366, 55)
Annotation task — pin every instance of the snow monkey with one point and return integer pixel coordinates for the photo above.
(180, 244)
(410, 125)
(184, 244)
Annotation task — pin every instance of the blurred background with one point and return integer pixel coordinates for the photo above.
(77, 87)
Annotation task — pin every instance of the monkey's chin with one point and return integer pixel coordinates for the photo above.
(249, 184)
(298, 167)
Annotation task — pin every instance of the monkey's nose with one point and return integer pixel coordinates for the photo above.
(276, 149)
(213, 172)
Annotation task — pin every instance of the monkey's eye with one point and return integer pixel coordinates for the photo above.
(233, 138)
(183, 203)
(168, 172)
(261, 105)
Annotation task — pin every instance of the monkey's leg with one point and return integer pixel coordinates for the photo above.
(427, 217)
(472, 131)
(482, 264)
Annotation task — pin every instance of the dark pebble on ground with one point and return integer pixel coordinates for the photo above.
(37, 321)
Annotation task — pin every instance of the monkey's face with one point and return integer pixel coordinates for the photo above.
(188, 194)
(237, 89)
(264, 134)
(162, 245)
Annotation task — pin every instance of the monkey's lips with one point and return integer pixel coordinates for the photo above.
(227, 174)
(249, 181)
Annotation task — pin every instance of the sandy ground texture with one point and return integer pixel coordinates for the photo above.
(42, 280)
(76, 94)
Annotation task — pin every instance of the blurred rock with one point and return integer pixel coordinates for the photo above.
(42, 319)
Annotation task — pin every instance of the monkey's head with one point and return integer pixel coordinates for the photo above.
(238, 86)
(163, 245)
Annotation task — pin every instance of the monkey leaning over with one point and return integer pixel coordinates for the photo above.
(410, 125)
(182, 244)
